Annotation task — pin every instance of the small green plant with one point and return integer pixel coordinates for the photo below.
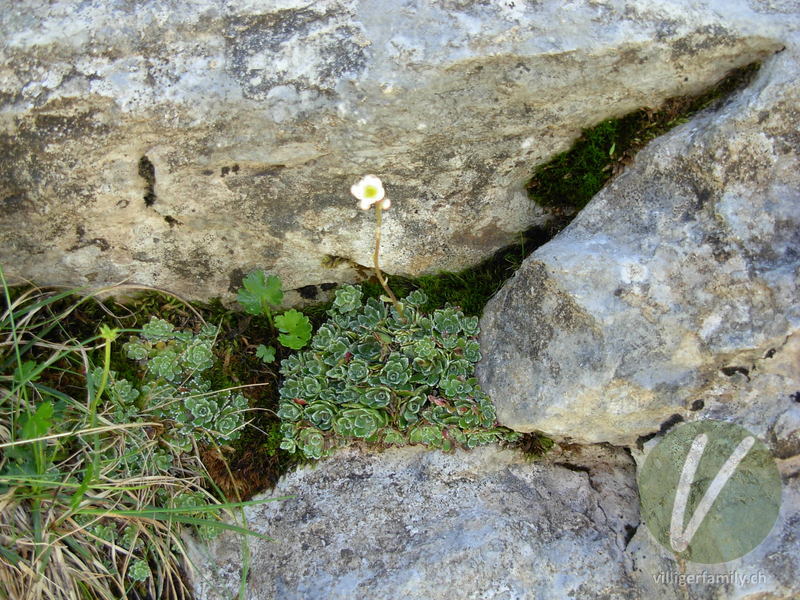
(386, 375)
(173, 388)
(265, 353)
(374, 375)
(260, 295)
(295, 329)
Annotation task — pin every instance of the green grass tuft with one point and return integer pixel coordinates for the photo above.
(95, 501)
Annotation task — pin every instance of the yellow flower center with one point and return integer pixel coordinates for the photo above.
(370, 191)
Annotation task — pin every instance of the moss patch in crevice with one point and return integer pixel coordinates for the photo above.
(534, 445)
(565, 184)
(471, 288)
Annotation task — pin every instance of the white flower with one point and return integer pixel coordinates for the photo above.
(369, 191)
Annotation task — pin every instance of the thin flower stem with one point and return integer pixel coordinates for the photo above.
(378, 274)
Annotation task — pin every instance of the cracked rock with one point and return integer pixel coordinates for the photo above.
(673, 295)
(417, 524)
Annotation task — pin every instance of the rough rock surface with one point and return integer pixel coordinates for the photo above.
(485, 524)
(410, 523)
(180, 144)
(675, 289)
(766, 401)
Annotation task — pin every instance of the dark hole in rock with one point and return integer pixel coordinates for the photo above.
(670, 423)
(731, 371)
(235, 280)
(574, 468)
(308, 292)
(147, 171)
(665, 426)
(227, 170)
(630, 531)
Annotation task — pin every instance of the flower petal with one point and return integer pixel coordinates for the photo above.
(359, 190)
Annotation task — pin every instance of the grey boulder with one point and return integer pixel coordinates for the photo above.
(674, 293)
(415, 524)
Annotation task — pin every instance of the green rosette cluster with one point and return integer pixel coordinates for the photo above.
(374, 375)
(173, 388)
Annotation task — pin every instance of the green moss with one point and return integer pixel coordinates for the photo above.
(272, 440)
(571, 179)
(471, 288)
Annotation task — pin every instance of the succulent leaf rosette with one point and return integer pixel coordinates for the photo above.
(374, 375)
(174, 388)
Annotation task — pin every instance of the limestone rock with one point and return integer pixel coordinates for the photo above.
(180, 144)
(412, 523)
(417, 524)
(674, 293)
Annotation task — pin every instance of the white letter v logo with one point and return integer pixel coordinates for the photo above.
(680, 538)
